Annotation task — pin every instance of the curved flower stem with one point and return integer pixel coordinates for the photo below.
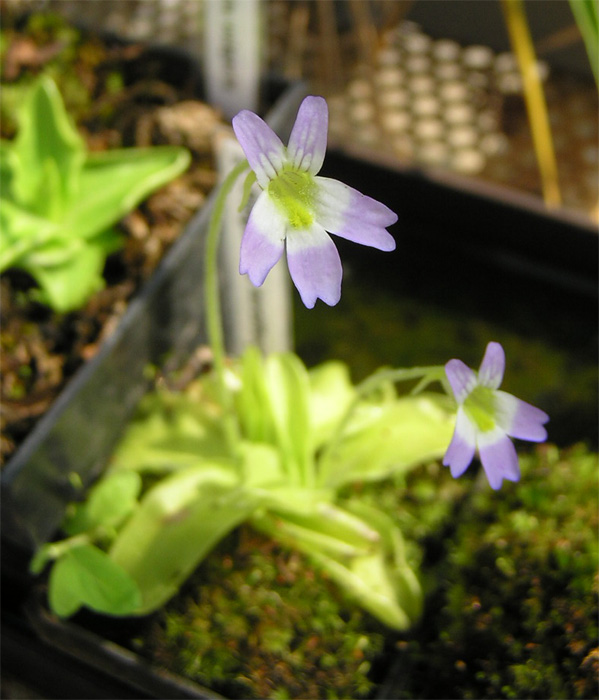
(427, 375)
(212, 302)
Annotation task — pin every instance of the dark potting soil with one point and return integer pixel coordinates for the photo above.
(119, 95)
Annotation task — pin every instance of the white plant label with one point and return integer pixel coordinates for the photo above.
(232, 46)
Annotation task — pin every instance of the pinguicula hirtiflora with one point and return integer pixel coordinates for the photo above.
(296, 210)
(487, 418)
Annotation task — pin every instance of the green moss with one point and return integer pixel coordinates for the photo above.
(262, 623)
(512, 599)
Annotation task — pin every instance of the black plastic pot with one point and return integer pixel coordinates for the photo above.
(509, 229)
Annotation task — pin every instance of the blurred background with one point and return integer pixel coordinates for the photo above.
(429, 83)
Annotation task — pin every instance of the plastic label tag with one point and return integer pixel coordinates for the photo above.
(232, 33)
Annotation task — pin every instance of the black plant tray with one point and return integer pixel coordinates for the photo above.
(110, 661)
(508, 228)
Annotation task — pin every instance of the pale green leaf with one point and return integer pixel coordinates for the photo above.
(67, 285)
(109, 502)
(59, 202)
(395, 435)
(114, 182)
(261, 466)
(293, 500)
(288, 390)
(22, 233)
(331, 393)
(171, 431)
(361, 552)
(251, 400)
(46, 143)
(86, 576)
(177, 523)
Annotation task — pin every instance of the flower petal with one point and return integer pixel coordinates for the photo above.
(347, 213)
(461, 449)
(492, 367)
(461, 378)
(308, 140)
(314, 265)
(498, 457)
(262, 147)
(263, 240)
(520, 419)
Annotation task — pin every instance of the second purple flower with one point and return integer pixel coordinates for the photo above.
(487, 418)
(297, 210)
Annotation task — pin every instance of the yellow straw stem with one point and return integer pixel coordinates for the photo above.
(536, 105)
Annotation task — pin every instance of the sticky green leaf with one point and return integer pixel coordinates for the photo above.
(176, 525)
(23, 233)
(59, 202)
(115, 182)
(384, 438)
(331, 393)
(77, 273)
(261, 466)
(251, 400)
(288, 392)
(86, 576)
(361, 551)
(171, 431)
(49, 153)
(273, 407)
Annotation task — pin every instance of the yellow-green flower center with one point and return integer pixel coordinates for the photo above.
(293, 192)
(480, 407)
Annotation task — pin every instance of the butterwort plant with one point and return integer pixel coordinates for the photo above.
(59, 202)
(266, 440)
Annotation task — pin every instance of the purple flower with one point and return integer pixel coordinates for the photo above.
(486, 417)
(296, 209)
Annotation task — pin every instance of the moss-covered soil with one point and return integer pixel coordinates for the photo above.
(257, 621)
(511, 587)
(512, 608)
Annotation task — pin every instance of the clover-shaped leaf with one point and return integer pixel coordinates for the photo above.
(86, 576)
